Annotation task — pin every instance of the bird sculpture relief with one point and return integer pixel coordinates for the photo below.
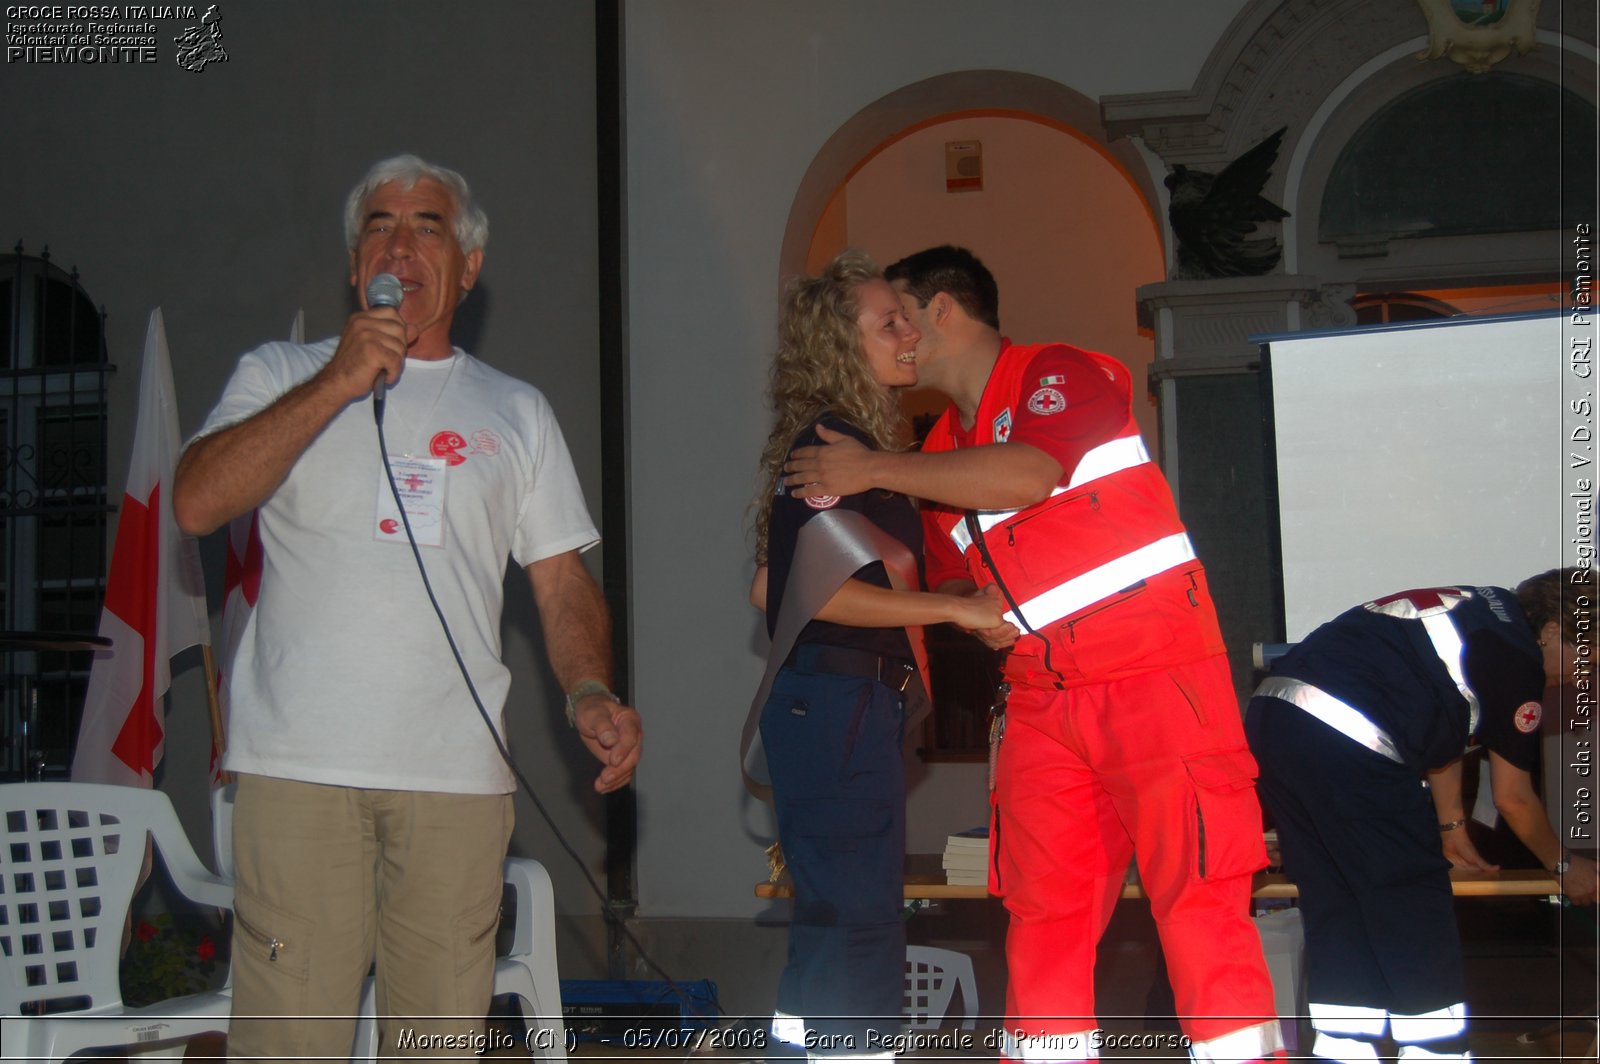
(1214, 216)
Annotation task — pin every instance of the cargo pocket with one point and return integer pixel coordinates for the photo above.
(1225, 824)
(847, 857)
(843, 823)
(271, 958)
(475, 933)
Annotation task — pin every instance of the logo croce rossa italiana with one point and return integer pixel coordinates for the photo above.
(202, 44)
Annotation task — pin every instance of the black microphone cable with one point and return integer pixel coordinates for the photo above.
(422, 570)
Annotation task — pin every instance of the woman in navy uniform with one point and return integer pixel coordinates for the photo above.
(833, 724)
(1345, 728)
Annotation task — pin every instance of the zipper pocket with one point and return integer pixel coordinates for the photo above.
(1013, 525)
(272, 942)
(1117, 599)
(982, 545)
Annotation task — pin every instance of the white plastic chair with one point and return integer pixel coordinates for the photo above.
(932, 976)
(222, 828)
(70, 855)
(527, 971)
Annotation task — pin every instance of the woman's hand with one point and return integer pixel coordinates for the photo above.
(980, 612)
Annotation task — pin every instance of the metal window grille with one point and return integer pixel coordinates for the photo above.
(53, 507)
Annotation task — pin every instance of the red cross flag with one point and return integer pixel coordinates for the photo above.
(155, 596)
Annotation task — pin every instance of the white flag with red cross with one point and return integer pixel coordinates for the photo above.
(155, 603)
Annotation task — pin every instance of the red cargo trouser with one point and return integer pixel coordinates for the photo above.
(1154, 764)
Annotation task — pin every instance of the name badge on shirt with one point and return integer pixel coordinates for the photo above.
(421, 485)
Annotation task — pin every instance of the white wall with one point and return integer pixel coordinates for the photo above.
(728, 102)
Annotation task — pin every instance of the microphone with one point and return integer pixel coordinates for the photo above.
(384, 290)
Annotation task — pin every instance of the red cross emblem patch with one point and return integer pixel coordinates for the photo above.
(1528, 716)
(1047, 401)
(1424, 602)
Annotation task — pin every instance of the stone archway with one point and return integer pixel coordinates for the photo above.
(967, 91)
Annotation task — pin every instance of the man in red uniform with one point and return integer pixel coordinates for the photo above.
(1122, 735)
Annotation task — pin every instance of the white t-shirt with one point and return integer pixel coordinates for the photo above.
(343, 675)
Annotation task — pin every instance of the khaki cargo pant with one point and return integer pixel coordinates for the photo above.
(331, 877)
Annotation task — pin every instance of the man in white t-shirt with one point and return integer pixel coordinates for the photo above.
(374, 803)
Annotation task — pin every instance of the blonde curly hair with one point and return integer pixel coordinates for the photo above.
(820, 367)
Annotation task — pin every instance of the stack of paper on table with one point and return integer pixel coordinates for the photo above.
(966, 857)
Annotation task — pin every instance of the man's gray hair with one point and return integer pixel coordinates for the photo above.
(471, 224)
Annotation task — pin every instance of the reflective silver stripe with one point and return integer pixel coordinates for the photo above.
(1101, 461)
(1051, 1048)
(1410, 1054)
(1429, 1026)
(1361, 1020)
(1109, 458)
(1247, 1043)
(788, 1028)
(1447, 644)
(1346, 1050)
(1442, 632)
(987, 519)
(1336, 714)
(1103, 581)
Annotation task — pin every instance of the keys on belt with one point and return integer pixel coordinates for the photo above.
(997, 727)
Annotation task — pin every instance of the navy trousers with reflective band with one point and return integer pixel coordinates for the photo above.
(838, 782)
(1360, 837)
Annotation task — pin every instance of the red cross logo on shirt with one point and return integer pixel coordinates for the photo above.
(1424, 602)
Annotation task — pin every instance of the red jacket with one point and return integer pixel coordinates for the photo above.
(1100, 576)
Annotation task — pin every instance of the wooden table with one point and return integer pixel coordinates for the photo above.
(925, 879)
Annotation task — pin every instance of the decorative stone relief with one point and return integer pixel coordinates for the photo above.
(1480, 45)
(1332, 309)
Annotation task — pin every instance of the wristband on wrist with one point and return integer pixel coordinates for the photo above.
(1461, 823)
(1561, 866)
(582, 691)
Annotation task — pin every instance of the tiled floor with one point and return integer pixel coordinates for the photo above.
(1531, 973)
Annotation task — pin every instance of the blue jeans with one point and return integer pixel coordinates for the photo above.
(838, 780)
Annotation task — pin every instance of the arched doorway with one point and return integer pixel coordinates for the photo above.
(1067, 233)
(1055, 213)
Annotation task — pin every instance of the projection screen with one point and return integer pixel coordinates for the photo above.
(1414, 456)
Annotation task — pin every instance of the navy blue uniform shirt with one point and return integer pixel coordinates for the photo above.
(1379, 659)
(893, 513)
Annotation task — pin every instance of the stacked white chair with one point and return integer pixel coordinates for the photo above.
(70, 856)
(932, 977)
